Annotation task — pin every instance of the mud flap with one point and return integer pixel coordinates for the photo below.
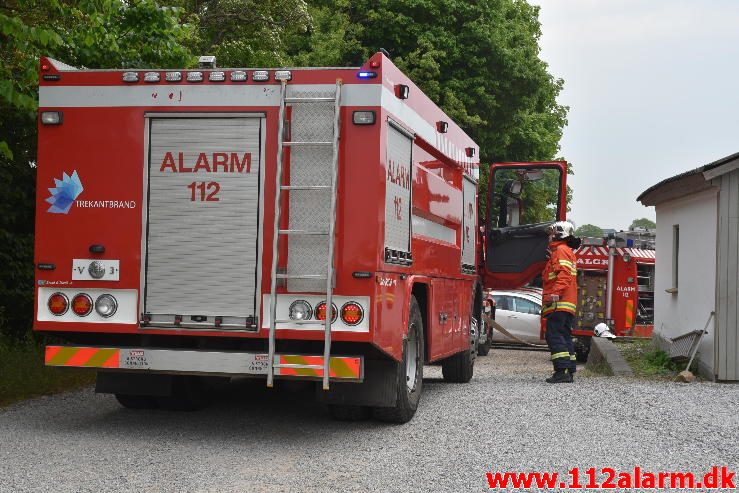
(377, 389)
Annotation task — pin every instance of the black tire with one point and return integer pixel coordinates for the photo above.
(190, 393)
(348, 412)
(484, 348)
(408, 393)
(460, 367)
(136, 401)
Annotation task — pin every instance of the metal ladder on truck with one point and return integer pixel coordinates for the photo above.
(324, 192)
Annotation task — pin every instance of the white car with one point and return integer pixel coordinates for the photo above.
(519, 312)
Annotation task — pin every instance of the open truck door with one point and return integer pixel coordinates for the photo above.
(523, 199)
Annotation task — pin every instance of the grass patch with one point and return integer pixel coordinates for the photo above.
(23, 374)
(646, 361)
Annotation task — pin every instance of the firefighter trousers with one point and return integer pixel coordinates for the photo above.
(559, 340)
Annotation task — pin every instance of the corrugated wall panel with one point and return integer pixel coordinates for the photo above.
(722, 277)
(202, 254)
(730, 346)
(727, 282)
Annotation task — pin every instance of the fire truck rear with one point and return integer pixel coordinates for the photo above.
(615, 287)
(320, 224)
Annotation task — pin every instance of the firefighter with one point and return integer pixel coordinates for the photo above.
(560, 299)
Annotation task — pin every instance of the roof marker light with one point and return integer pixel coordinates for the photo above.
(367, 75)
(194, 77)
(217, 76)
(152, 77)
(470, 151)
(442, 127)
(283, 75)
(52, 117)
(238, 76)
(363, 117)
(173, 76)
(402, 91)
(260, 76)
(130, 76)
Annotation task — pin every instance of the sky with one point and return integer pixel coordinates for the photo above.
(653, 90)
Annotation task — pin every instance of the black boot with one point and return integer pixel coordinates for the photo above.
(560, 376)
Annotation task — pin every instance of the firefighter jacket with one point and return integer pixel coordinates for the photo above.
(560, 278)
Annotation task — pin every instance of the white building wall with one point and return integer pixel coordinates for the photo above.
(689, 308)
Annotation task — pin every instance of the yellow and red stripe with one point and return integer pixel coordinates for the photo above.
(85, 357)
(339, 366)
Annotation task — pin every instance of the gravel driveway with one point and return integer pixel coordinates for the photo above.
(254, 440)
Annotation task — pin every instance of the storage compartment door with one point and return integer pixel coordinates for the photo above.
(203, 225)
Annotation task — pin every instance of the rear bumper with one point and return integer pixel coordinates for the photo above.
(192, 362)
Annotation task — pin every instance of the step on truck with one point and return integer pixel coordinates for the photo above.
(314, 224)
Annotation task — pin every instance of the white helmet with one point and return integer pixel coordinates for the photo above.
(602, 330)
(561, 230)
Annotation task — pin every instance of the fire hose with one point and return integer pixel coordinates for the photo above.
(503, 331)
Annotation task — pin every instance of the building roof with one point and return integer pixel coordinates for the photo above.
(692, 181)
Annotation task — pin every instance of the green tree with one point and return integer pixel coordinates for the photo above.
(247, 33)
(92, 33)
(478, 60)
(589, 231)
(643, 223)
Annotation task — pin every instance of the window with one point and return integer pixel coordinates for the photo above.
(503, 302)
(675, 255)
(526, 306)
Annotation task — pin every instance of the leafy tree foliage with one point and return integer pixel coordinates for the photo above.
(478, 60)
(643, 223)
(93, 33)
(247, 33)
(589, 231)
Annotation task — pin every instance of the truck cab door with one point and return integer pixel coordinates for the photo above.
(523, 199)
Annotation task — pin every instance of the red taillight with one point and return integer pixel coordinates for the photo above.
(321, 311)
(58, 304)
(352, 313)
(82, 305)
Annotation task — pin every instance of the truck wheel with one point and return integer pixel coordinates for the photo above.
(348, 412)
(136, 401)
(460, 367)
(409, 381)
(484, 348)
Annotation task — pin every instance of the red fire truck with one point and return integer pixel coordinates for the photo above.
(616, 287)
(321, 224)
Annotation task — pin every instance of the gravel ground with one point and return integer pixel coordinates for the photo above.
(254, 440)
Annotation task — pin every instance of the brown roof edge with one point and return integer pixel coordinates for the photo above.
(679, 185)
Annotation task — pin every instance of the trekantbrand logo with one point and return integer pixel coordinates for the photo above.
(63, 194)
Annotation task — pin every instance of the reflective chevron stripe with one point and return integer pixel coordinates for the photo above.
(629, 315)
(340, 367)
(85, 357)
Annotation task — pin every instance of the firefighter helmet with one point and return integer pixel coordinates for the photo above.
(602, 330)
(561, 230)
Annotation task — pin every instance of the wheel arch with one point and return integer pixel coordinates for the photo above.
(420, 290)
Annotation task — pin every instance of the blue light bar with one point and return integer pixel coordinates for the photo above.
(367, 75)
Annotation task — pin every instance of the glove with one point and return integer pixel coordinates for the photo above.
(552, 298)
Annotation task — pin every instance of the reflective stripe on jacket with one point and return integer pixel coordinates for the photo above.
(560, 278)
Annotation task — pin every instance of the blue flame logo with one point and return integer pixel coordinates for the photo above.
(64, 193)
